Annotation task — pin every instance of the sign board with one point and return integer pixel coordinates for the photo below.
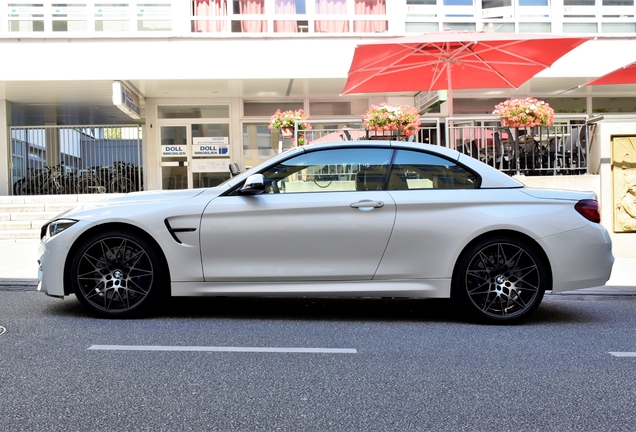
(26, 11)
(126, 100)
(210, 146)
(174, 150)
(110, 12)
(210, 165)
(425, 101)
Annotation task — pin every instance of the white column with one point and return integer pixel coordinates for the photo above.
(5, 146)
(152, 148)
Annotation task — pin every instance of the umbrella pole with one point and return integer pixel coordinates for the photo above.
(450, 89)
(449, 124)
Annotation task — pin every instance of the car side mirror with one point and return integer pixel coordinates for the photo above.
(254, 185)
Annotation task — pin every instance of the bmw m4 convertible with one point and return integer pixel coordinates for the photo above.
(358, 219)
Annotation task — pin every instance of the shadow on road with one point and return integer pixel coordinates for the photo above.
(330, 309)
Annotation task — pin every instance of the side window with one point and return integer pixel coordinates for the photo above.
(418, 170)
(346, 169)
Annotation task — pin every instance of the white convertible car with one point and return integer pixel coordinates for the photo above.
(360, 219)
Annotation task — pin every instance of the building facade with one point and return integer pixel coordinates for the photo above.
(208, 74)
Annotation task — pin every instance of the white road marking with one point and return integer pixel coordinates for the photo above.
(623, 354)
(222, 349)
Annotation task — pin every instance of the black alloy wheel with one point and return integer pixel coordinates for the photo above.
(500, 280)
(117, 274)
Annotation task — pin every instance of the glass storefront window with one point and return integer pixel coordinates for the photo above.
(261, 109)
(26, 26)
(568, 105)
(188, 111)
(618, 28)
(70, 26)
(460, 26)
(290, 7)
(613, 105)
(260, 143)
(475, 105)
(535, 27)
(495, 27)
(579, 28)
(421, 27)
(338, 108)
(112, 26)
(489, 4)
(149, 25)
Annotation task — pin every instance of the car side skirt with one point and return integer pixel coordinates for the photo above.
(428, 288)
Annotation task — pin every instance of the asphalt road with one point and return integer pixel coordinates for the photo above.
(233, 365)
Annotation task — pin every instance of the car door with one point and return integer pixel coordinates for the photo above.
(437, 205)
(323, 216)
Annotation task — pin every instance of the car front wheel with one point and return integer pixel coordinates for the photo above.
(116, 274)
(500, 280)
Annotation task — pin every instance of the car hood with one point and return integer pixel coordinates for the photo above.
(144, 198)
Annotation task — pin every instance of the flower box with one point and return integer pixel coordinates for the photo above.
(528, 112)
(402, 119)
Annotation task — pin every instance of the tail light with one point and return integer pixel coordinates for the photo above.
(589, 210)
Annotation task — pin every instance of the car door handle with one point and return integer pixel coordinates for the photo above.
(367, 204)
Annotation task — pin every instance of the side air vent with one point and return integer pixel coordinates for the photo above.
(173, 231)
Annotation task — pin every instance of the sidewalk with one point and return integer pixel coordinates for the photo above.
(18, 267)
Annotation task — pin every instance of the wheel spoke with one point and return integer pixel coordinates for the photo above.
(503, 280)
(115, 274)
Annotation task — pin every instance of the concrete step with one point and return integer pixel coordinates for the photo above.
(15, 225)
(34, 215)
(21, 217)
(19, 234)
(59, 207)
(22, 207)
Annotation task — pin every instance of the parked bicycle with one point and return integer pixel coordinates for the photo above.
(121, 177)
(49, 180)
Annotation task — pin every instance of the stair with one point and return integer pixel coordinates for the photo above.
(21, 217)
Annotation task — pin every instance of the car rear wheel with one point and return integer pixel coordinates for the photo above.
(500, 280)
(116, 274)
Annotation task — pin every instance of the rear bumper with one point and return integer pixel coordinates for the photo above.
(581, 258)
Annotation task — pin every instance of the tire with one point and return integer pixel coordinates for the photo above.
(500, 280)
(117, 274)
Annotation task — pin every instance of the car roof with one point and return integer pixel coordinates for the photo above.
(490, 177)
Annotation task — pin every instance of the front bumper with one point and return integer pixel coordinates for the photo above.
(53, 253)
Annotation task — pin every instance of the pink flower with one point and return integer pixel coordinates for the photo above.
(525, 112)
(288, 119)
(392, 117)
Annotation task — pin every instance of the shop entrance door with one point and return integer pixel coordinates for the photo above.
(175, 172)
(194, 155)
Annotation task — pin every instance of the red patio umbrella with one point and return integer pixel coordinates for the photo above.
(454, 60)
(623, 75)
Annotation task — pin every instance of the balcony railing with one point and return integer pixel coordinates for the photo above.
(561, 149)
